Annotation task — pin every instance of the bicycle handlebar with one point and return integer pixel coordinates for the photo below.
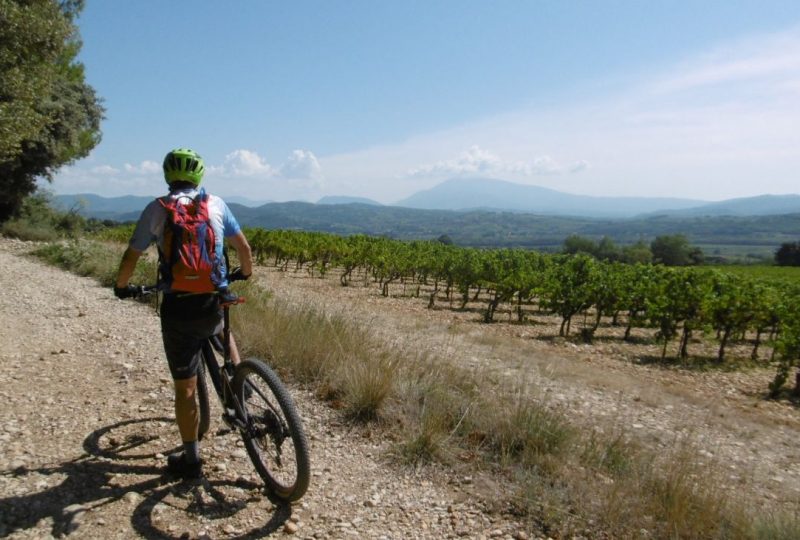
(146, 290)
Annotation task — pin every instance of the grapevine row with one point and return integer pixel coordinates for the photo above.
(678, 302)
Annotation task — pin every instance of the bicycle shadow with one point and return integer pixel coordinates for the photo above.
(208, 500)
(89, 485)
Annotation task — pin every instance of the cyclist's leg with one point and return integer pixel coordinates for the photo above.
(235, 358)
(186, 410)
(182, 344)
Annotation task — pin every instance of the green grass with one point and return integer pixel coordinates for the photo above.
(89, 258)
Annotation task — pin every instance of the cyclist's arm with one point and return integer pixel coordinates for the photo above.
(239, 243)
(143, 235)
(127, 266)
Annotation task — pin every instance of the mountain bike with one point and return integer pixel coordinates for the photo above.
(258, 406)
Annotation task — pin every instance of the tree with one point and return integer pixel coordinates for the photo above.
(788, 254)
(445, 239)
(607, 250)
(672, 250)
(637, 253)
(575, 244)
(49, 116)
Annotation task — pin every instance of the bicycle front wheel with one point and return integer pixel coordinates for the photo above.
(273, 435)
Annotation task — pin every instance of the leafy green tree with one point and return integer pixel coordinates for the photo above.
(671, 250)
(607, 250)
(49, 116)
(637, 253)
(788, 254)
(445, 239)
(575, 244)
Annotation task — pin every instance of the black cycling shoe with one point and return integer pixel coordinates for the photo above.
(178, 466)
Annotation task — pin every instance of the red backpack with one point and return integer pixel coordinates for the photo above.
(189, 262)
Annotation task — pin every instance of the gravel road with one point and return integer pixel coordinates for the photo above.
(87, 420)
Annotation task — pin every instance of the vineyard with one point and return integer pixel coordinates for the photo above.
(677, 305)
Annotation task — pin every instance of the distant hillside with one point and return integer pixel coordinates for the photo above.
(336, 199)
(480, 228)
(485, 193)
(244, 201)
(731, 235)
(115, 208)
(762, 205)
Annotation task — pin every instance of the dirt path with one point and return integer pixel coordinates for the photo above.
(87, 419)
(752, 441)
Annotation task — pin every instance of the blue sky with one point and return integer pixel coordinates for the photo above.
(379, 99)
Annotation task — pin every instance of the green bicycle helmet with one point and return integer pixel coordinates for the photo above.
(183, 164)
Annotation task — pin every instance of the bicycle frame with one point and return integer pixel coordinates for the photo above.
(222, 375)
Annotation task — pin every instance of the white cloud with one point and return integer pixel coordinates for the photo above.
(246, 163)
(764, 59)
(145, 167)
(301, 165)
(104, 170)
(109, 181)
(476, 161)
(242, 172)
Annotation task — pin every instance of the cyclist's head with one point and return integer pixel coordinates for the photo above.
(183, 165)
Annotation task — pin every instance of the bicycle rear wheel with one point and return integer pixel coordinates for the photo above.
(203, 405)
(273, 435)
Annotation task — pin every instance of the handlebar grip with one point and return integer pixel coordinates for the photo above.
(236, 275)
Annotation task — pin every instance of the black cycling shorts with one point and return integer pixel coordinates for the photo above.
(183, 340)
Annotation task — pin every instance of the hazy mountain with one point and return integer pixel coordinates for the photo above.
(762, 205)
(89, 204)
(337, 199)
(474, 193)
(471, 194)
(742, 235)
(244, 201)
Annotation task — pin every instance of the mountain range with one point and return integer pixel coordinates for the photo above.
(492, 194)
(490, 213)
(498, 195)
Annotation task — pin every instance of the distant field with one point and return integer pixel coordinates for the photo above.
(747, 253)
(771, 273)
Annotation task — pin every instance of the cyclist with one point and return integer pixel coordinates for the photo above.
(187, 320)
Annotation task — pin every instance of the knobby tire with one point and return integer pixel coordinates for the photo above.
(203, 404)
(287, 481)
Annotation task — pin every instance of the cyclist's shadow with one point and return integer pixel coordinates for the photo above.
(88, 486)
